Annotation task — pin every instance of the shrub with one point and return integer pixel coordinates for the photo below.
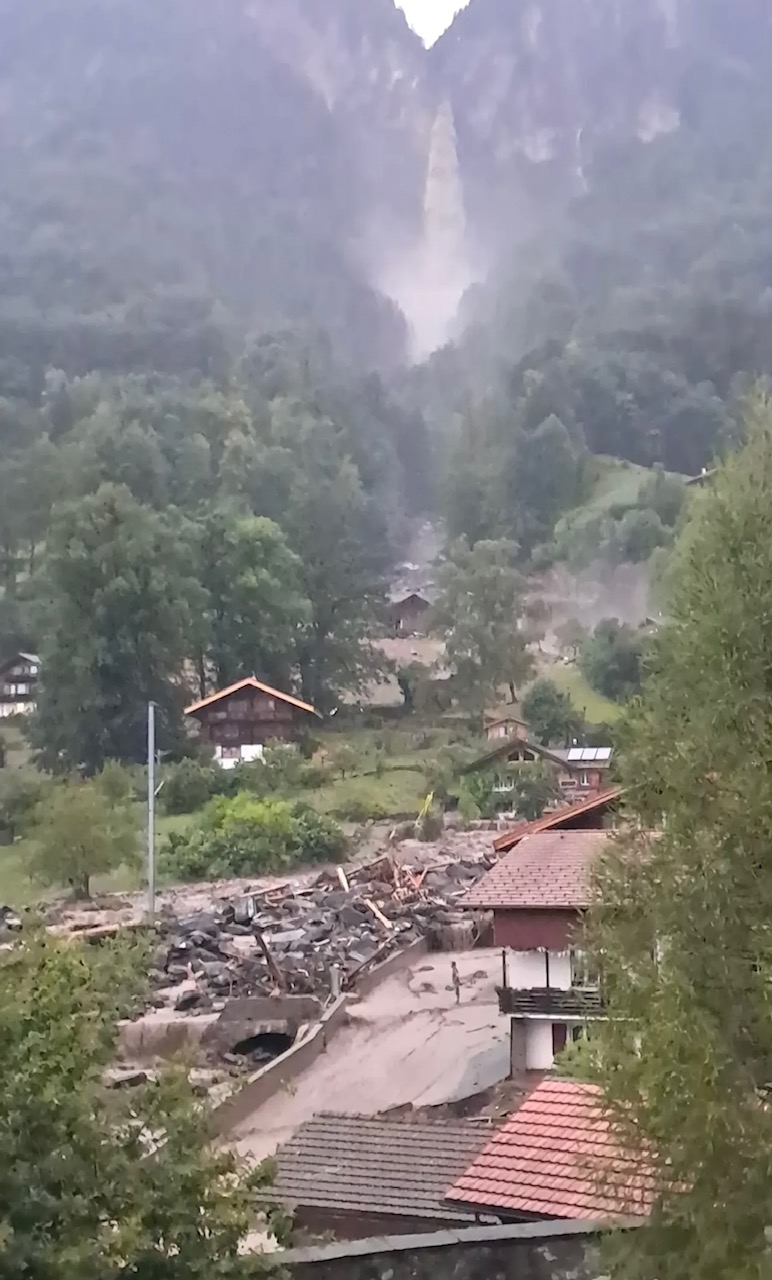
(188, 786)
(358, 809)
(248, 836)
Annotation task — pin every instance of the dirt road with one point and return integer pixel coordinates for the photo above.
(406, 1042)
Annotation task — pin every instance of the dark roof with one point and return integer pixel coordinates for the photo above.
(251, 682)
(368, 1165)
(509, 746)
(557, 1158)
(550, 871)
(550, 1002)
(597, 804)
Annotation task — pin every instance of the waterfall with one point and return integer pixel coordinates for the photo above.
(444, 211)
(429, 280)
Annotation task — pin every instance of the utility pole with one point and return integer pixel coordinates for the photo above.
(151, 809)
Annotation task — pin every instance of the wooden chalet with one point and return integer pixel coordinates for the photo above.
(408, 614)
(240, 721)
(19, 677)
(581, 771)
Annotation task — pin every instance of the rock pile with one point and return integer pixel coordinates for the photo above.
(316, 940)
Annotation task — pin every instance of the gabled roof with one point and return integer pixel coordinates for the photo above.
(250, 683)
(515, 744)
(368, 1165)
(557, 1158)
(549, 871)
(492, 724)
(28, 657)
(560, 818)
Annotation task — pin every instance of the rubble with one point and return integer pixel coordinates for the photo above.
(313, 939)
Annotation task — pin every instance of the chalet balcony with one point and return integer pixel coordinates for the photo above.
(551, 1002)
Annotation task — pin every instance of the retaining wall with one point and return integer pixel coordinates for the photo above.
(532, 1251)
(264, 1083)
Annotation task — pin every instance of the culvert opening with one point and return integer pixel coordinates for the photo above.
(265, 1046)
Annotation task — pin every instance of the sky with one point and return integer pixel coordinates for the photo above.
(430, 17)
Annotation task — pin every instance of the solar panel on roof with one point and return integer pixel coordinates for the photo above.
(604, 753)
(574, 754)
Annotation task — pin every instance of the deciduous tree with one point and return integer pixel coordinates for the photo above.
(98, 1184)
(117, 601)
(477, 615)
(255, 609)
(550, 714)
(83, 829)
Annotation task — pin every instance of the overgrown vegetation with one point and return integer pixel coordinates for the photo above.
(102, 1184)
(683, 928)
(247, 836)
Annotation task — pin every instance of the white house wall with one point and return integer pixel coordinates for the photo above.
(527, 970)
(538, 1046)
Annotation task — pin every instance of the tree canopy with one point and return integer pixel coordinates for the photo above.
(98, 1183)
(683, 930)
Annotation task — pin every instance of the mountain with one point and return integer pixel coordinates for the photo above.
(541, 90)
(170, 156)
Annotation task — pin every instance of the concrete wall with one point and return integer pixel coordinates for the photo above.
(528, 969)
(538, 1046)
(531, 1043)
(264, 1083)
(529, 930)
(396, 963)
(538, 1251)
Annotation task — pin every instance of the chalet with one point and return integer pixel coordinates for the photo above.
(558, 1158)
(538, 895)
(360, 1176)
(505, 729)
(581, 771)
(408, 614)
(240, 721)
(18, 685)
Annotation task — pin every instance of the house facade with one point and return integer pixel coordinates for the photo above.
(538, 894)
(506, 729)
(581, 772)
(240, 721)
(409, 614)
(19, 678)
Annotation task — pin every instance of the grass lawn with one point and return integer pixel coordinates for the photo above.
(595, 707)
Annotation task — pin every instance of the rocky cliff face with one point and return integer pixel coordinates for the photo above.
(540, 88)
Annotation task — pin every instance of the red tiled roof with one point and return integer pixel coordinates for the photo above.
(250, 683)
(557, 1158)
(560, 818)
(550, 870)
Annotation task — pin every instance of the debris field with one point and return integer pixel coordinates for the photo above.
(316, 940)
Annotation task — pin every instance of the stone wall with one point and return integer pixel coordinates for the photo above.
(532, 1251)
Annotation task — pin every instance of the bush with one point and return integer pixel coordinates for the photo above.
(358, 809)
(247, 836)
(188, 786)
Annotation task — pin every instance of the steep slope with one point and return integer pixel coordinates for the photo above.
(182, 150)
(542, 88)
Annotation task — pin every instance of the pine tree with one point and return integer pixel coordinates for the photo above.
(685, 928)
